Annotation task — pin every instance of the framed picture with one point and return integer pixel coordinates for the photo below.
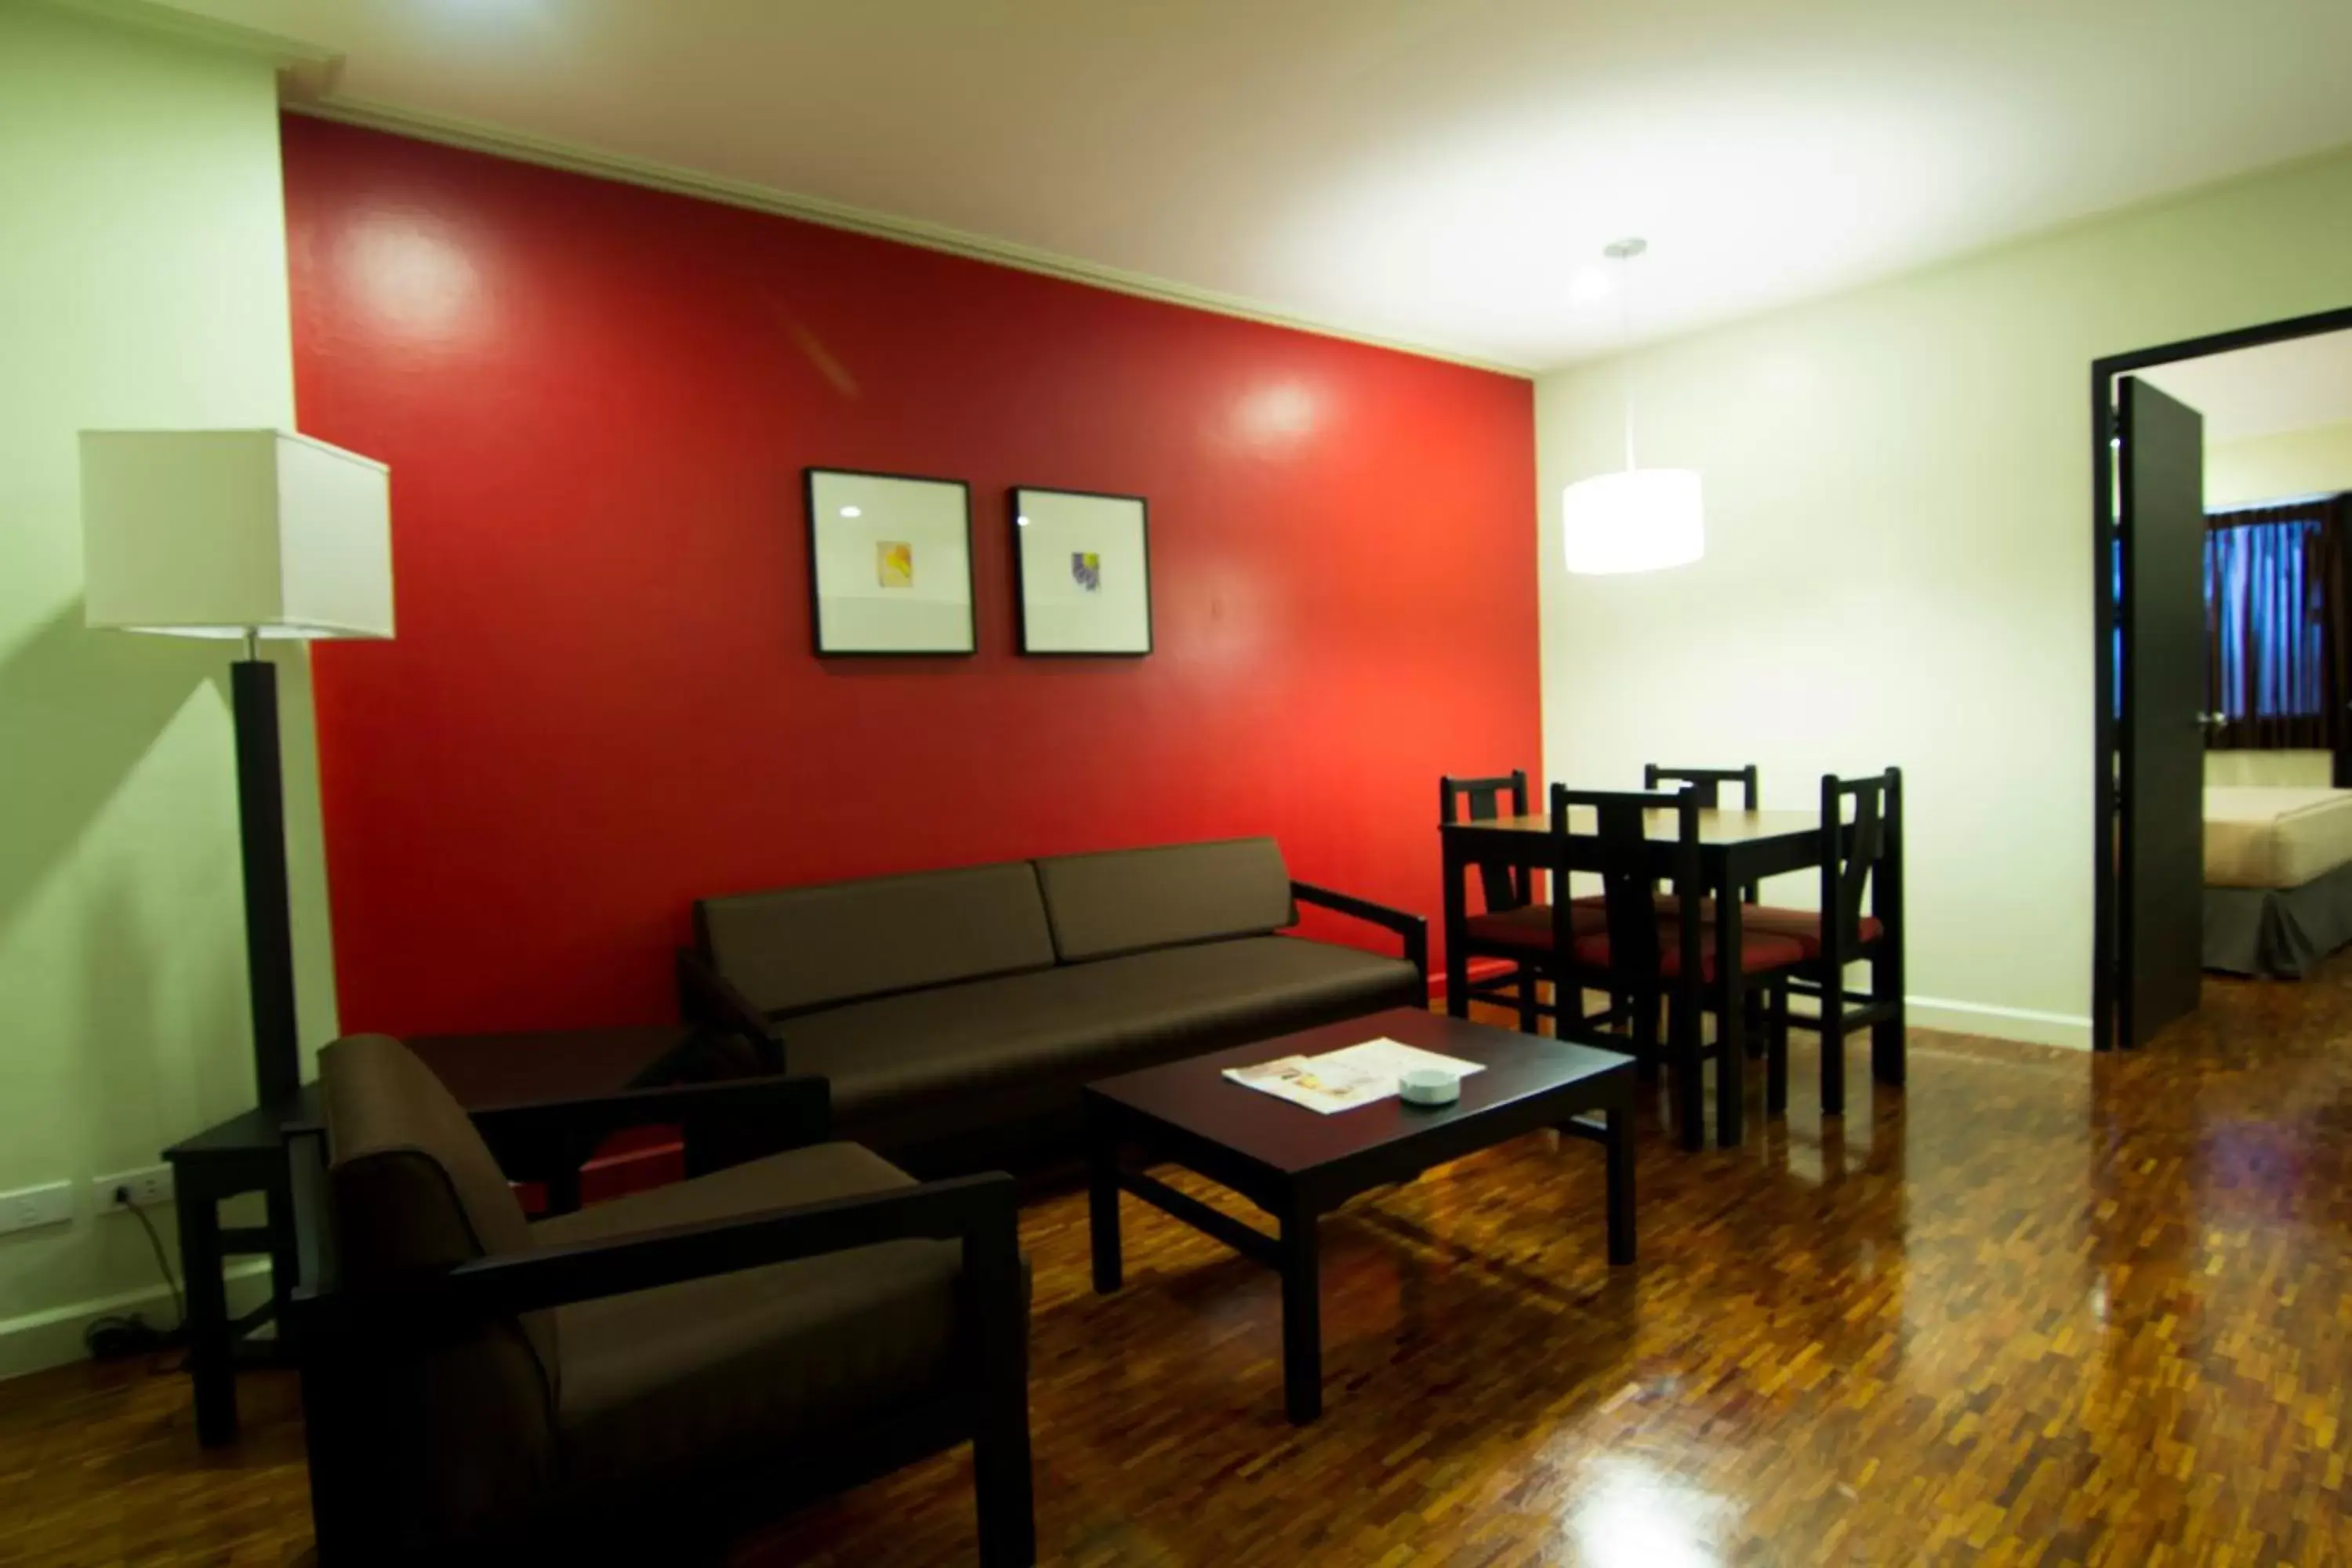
(889, 563)
(1082, 566)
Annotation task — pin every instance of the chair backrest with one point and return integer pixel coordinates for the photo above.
(1708, 782)
(1854, 845)
(413, 1191)
(1482, 800)
(1629, 871)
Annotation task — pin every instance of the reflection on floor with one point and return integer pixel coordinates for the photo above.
(2043, 1308)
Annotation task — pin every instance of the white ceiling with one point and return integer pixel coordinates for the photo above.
(2283, 386)
(1441, 173)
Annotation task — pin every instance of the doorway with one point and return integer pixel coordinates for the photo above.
(2155, 712)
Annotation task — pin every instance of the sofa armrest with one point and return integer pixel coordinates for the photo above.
(709, 998)
(723, 1123)
(1412, 928)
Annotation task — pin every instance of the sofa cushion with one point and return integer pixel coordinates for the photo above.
(807, 947)
(1129, 901)
(1083, 1021)
(663, 1385)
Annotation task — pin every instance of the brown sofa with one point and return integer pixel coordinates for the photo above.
(957, 1013)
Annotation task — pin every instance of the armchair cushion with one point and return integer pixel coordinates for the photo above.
(656, 1382)
(414, 1193)
(415, 1189)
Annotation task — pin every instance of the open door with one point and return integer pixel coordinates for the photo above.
(2160, 737)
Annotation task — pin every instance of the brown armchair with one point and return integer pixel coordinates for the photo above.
(648, 1376)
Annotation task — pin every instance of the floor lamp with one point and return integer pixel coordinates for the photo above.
(242, 534)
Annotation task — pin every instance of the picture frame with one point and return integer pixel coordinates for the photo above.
(1081, 573)
(889, 561)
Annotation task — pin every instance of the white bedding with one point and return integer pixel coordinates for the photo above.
(2268, 837)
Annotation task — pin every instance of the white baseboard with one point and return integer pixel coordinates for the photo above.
(38, 1341)
(2001, 1022)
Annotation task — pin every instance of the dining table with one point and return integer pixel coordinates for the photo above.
(1736, 850)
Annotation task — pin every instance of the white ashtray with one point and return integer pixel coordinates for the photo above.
(1430, 1086)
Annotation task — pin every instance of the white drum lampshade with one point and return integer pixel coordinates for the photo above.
(1637, 519)
(234, 533)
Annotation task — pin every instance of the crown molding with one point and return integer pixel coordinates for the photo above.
(158, 20)
(550, 153)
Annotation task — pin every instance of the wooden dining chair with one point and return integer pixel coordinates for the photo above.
(1515, 926)
(1645, 954)
(1709, 782)
(1706, 782)
(1859, 920)
(1707, 785)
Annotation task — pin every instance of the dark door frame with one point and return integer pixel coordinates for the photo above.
(2111, 809)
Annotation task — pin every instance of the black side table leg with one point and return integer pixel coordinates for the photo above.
(1102, 1210)
(1302, 1316)
(210, 1368)
(1620, 1119)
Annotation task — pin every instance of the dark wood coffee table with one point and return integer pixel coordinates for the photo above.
(1298, 1164)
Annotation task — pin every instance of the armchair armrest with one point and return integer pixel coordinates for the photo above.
(707, 998)
(1412, 928)
(980, 1211)
(723, 1123)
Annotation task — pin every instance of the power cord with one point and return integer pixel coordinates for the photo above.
(119, 1338)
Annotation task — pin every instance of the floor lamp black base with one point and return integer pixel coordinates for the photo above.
(268, 919)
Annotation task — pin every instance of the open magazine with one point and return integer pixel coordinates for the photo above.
(1345, 1078)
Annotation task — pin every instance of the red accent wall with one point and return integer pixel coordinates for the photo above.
(597, 401)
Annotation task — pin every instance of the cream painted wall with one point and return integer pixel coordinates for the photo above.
(142, 284)
(1899, 558)
(2291, 463)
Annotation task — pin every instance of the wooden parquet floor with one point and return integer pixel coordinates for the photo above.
(2040, 1308)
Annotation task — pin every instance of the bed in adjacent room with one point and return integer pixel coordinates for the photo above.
(2278, 876)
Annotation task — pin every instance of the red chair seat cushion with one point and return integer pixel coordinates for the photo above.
(1528, 927)
(1761, 952)
(1802, 927)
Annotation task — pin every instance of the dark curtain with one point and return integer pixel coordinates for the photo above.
(2278, 671)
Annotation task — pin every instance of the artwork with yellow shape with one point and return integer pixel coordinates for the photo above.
(894, 564)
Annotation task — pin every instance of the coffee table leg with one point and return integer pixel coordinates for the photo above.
(1102, 1211)
(1621, 1182)
(1302, 1317)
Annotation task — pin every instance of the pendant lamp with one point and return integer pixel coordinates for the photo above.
(1638, 518)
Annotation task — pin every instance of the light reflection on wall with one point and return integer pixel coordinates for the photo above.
(418, 282)
(1277, 415)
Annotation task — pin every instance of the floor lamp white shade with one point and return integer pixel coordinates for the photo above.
(234, 533)
(1636, 519)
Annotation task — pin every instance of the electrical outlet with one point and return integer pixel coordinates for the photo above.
(148, 1187)
(27, 1207)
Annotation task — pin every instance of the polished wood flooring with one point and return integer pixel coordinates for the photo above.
(2040, 1308)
